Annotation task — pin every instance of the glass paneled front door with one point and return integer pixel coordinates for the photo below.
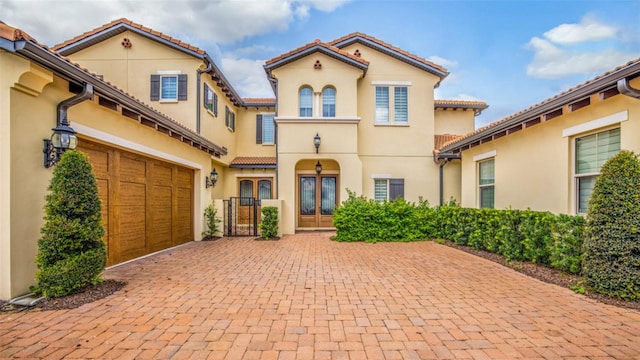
(317, 200)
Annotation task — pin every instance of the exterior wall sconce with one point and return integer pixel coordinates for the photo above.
(318, 168)
(210, 181)
(316, 142)
(63, 138)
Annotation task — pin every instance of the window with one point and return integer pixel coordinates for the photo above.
(329, 102)
(229, 119)
(388, 189)
(306, 102)
(382, 104)
(265, 129)
(210, 100)
(168, 87)
(400, 112)
(592, 151)
(486, 183)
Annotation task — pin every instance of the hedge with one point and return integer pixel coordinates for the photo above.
(539, 237)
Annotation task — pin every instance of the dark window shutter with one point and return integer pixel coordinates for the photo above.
(182, 87)
(258, 129)
(226, 116)
(215, 104)
(396, 188)
(155, 87)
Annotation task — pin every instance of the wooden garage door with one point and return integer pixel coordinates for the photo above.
(147, 204)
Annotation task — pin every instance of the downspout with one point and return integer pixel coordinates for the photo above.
(274, 84)
(198, 81)
(63, 106)
(442, 160)
(626, 89)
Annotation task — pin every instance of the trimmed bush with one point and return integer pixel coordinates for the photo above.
(71, 252)
(212, 220)
(269, 222)
(611, 264)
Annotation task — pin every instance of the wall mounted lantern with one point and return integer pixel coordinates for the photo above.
(318, 168)
(210, 181)
(316, 142)
(63, 138)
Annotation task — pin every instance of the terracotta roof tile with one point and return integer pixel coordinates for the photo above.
(543, 102)
(461, 103)
(12, 34)
(249, 101)
(440, 140)
(388, 46)
(317, 43)
(133, 25)
(257, 161)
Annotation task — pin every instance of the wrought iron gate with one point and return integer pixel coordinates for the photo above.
(241, 216)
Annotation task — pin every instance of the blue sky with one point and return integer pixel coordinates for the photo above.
(510, 54)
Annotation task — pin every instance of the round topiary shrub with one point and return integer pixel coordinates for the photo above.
(611, 249)
(71, 252)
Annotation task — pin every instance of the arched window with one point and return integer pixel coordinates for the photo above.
(329, 102)
(306, 102)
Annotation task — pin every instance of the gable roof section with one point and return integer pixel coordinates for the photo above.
(578, 96)
(253, 162)
(119, 26)
(18, 42)
(312, 47)
(476, 106)
(392, 51)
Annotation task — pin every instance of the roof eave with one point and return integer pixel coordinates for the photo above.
(311, 50)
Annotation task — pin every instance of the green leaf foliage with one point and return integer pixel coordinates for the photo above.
(212, 220)
(269, 223)
(540, 237)
(71, 252)
(611, 262)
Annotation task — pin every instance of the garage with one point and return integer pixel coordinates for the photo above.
(147, 204)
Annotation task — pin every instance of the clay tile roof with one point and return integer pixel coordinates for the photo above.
(124, 21)
(460, 103)
(315, 43)
(253, 161)
(261, 101)
(12, 34)
(563, 97)
(343, 41)
(440, 140)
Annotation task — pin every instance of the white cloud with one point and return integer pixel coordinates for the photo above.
(224, 21)
(589, 29)
(247, 77)
(442, 61)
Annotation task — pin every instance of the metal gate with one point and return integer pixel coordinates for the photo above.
(241, 216)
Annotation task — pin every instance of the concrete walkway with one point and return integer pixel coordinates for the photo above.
(306, 297)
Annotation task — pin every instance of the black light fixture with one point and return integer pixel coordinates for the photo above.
(210, 181)
(316, 142)
(318, 168)
(63, 138)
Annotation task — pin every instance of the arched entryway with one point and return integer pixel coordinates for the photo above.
(317, 192)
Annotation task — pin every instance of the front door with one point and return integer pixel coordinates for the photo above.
(251, 189)
(317, 196)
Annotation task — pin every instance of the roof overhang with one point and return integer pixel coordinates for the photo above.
(313, 49)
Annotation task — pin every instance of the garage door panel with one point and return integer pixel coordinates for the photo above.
(103, 194)
(185, 178)
(184, 231)
(132, 220)
(133, 169)
(162, 174)
(99, 160)
(160, 233)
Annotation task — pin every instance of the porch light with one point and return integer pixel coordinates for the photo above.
(210, 181)
(318, 168)
(63, 138)
(316, 142)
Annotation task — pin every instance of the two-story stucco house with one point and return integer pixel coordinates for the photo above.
(159, 121)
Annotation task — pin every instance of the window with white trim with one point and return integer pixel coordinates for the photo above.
(329, 102)
(229, 119)
(210, 100)
(486, 184)
(400, 106)
(591, 152)
(168, 87)
(265, 129)
(306, 102)
(388, 189)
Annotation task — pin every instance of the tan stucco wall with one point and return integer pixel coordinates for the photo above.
(28, 117)
(245, 142)
(458, 122)
(534, 166)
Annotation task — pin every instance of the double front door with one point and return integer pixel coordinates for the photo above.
(317, 198)
(252, 189)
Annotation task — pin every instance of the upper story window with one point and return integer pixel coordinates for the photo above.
(306, 102)
(486, 183)
(591, 152)
(168, 86)
(382, 104)
(229, 119)
(265, 129)
(329, 102)
(392, 102)
(210, 100)
(400, 108)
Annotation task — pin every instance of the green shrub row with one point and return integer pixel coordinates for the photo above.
(540, 237)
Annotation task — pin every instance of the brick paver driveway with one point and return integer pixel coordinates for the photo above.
(306, 297)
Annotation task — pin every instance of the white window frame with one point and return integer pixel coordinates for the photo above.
(391, 102)
(169, 76)
(335, 95)
(577, 177)
(229, 119)
(273, 136)
(300, 102)
(486, 186)
(214, 100)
